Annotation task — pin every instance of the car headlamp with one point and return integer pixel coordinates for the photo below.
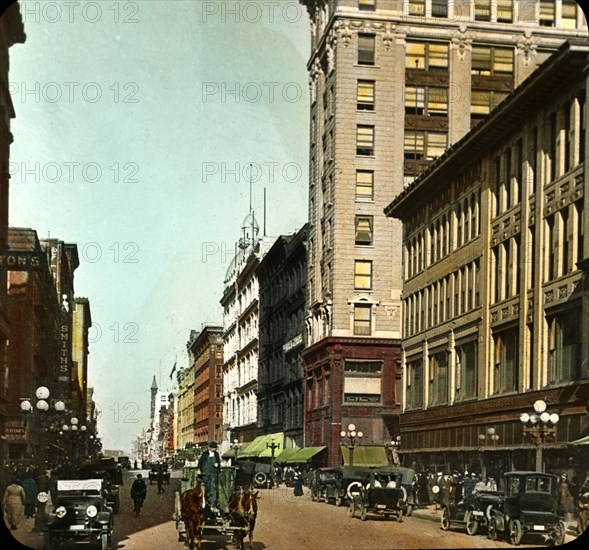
(60, 512)
(91, 511)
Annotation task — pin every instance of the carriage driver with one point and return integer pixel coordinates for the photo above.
(208, 464)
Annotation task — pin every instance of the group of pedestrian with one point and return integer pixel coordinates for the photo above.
(20, 499)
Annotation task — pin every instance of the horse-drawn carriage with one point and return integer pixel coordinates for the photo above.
(237, 507)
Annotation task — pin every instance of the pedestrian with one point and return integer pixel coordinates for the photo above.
(135, 464)
(298, 485)
(565, 498)
(160, 479)
(13, 504)
(138, 493)
(30, 488)
(446, 489)
(469, 484)
(209, 464)
(491, 484)
(583, 506)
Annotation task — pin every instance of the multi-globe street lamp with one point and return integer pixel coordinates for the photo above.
(236, 445)
(272, 446)
(354, 438)
(540, 424)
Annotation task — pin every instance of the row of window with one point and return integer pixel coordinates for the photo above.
(563, 363)
(501, 11)
(439, 302)
(448, 232)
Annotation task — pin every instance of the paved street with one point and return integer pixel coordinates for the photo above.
(284, 522)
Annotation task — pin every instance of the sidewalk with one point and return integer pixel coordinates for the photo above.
(431, 514)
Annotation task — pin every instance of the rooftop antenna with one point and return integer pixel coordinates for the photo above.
(264, 233)
(251, 171)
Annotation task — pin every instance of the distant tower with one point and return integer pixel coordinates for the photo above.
(153, 396)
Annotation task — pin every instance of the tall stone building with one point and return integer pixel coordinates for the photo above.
(11, 33)
(497, 304)
(393, 84)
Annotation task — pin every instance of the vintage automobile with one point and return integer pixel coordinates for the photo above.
(472, 512)
(110, 473)
(338, 484)
(155, 468)
(407, 476)
(80, 514)
(529, 506)
(384, 495)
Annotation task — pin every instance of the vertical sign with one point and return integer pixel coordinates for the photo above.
(64, 350)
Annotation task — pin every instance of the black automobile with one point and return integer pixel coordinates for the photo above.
(472, 512)
(80, 514)
(529, 506)
(155, 469)
(405, 477)
(111, 474)
(338, 484)
(384, 495)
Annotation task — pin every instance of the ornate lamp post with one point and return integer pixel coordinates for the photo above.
(540, 424)
(236, 445)
(272, 446)
(353, 439)
(395, 446)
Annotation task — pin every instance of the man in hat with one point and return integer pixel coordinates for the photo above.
(209, 464)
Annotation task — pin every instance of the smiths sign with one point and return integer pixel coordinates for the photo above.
(20, 260)
(64, 350)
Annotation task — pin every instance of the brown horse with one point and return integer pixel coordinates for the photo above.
(250, 509)
(192, 509)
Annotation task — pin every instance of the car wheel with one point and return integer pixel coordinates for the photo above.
(104, 541)
(399, 517)
(363, 513)
(409, 510)
(559, 533)
(445, 521)
(313, 498)
(339, 501)
(472, 525)
(492, 529)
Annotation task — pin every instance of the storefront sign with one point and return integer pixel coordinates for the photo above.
(15, 430)
(20, 260)
(296, 341)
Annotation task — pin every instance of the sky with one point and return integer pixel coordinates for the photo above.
(136, 125)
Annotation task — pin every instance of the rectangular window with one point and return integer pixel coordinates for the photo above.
(364, 185)
(567, 135)
(551, 148)
(547, 13)
(506, 361)
(582, 129)
(363, 319)
(363, 275)
(417, 7)
(482, 10)
(365, 141)
(566, 257)
(483, 101)
(368, 5)
(580, 229)
(439, 8)
(415, 384)
(362, 382)
(564, 346)
(426, 56)
(550, 245)
(426, 101)
(488, 61)
(466, 370)
(438, 378)
(569, 14)
(505, 11)
(363, 226)
(365, 95)
(366, 49)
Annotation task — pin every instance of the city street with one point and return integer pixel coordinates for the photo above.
(284, 522)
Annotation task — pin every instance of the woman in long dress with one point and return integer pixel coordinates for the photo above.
(13, 504)
(30, 488)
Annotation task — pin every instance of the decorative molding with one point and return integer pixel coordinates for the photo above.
(527, 46)
(462, 42)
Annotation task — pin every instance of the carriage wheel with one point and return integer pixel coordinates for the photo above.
(515, 532)
(445, 521)
(472, 525)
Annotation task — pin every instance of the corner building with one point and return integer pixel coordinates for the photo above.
(393, 84)
(497, 303)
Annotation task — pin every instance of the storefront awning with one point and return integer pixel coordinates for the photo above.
(370, 457)
(285, 455)
(582, 441)
(259, 446)
(304, 455)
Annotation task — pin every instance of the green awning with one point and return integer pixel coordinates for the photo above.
(364, 455)
(259, 446)
(229, 453)
(582, 441)
(303, 455)
(285, 455)
(248, 450)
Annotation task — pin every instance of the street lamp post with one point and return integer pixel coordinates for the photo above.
(540, 424)
(354, 438)
(236, 445)
(272, 446)
(395, 446)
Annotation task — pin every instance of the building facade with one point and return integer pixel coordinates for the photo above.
(11, 33)
(206, 354)
(240, 303)
(393, 84)
(282, 277)
(82, 321)
(185, 405)
(496, 300)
